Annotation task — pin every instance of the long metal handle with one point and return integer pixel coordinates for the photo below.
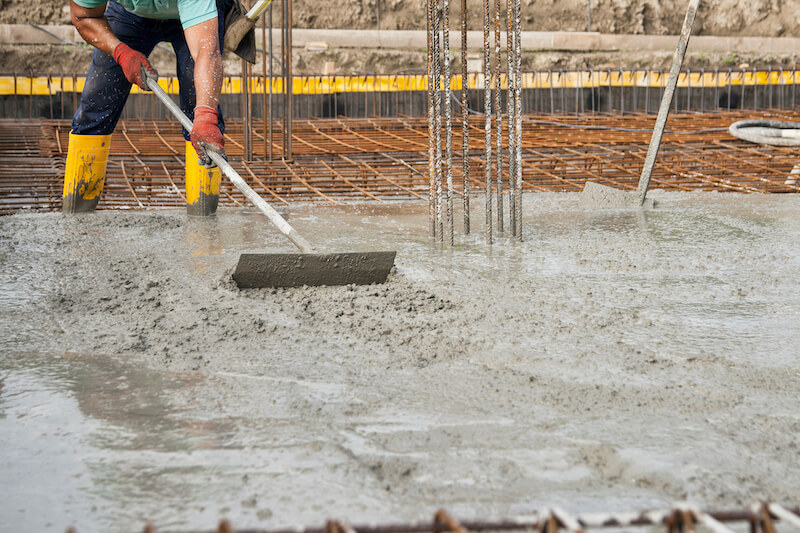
(666, 101)
(229, 171)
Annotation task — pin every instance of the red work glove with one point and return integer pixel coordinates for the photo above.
(206, 135)
(132, 62)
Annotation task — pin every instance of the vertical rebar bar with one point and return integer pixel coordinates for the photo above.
(431, 95)
(716, 88)
(465, 114)
(770, 85)
(448, 124)
(264, 83)
(688, 90)
(703, 90)
(74, 94)
(247, 112)
(269, 95)
(284, 92)
(487, 124)
(518, 109)
(741, 100)
(289, 79)
(510, 81)
(437, 119)
(498, 110)
(30, 95)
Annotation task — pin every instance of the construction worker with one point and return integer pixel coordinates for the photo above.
(123, 34)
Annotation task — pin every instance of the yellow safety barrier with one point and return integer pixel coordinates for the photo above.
(44, 85)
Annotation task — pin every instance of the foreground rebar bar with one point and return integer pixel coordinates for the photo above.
(437, 119)
(761, 518)
(511, 80)
(465, 115)
(518, 111)
(498, 110)
(447, 118)
(432, 200)
(487, 124)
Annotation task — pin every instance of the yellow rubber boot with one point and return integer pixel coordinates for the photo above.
(202, 186)
(85, 172)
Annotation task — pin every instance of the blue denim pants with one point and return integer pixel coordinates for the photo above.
(107, 89)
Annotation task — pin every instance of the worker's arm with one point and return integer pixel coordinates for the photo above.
(203, 41)
(93, 26)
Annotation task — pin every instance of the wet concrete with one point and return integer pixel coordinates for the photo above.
(616, 360)
(597, 196)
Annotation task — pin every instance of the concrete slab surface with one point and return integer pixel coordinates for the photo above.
(614, 361)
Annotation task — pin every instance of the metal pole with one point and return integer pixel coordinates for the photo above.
(465, 114)
(247, 112)
(269, 96)
(447, 118)
(487, 125)
(284, 97)
(431, 150)
(437, 120)
(289, 79)
(518, 110)
(265, 80)
(498, 110)
(511, 80)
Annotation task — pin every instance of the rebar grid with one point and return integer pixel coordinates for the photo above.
(383, 159)
(761, 517)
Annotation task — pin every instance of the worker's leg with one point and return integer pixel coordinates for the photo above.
(202, 184)
(102, 100)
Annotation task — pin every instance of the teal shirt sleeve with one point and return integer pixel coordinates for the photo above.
(91, 3)
(192, 12)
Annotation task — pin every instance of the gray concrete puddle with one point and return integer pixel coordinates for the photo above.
(612, 361)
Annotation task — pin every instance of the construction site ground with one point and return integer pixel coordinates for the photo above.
(613, 360)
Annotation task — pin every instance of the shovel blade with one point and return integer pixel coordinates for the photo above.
(602, 196)
(296, 270)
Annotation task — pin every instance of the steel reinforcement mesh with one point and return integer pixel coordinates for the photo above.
(762, 517)
(386, 158)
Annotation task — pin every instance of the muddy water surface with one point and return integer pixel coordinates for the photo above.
(613, 361)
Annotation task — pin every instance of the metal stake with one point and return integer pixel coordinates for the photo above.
(512, 160)
(518, 110)
(437, 120)
(447, 118)
(431, 150)
(465, 113)
(498, 109)
(487, 104)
